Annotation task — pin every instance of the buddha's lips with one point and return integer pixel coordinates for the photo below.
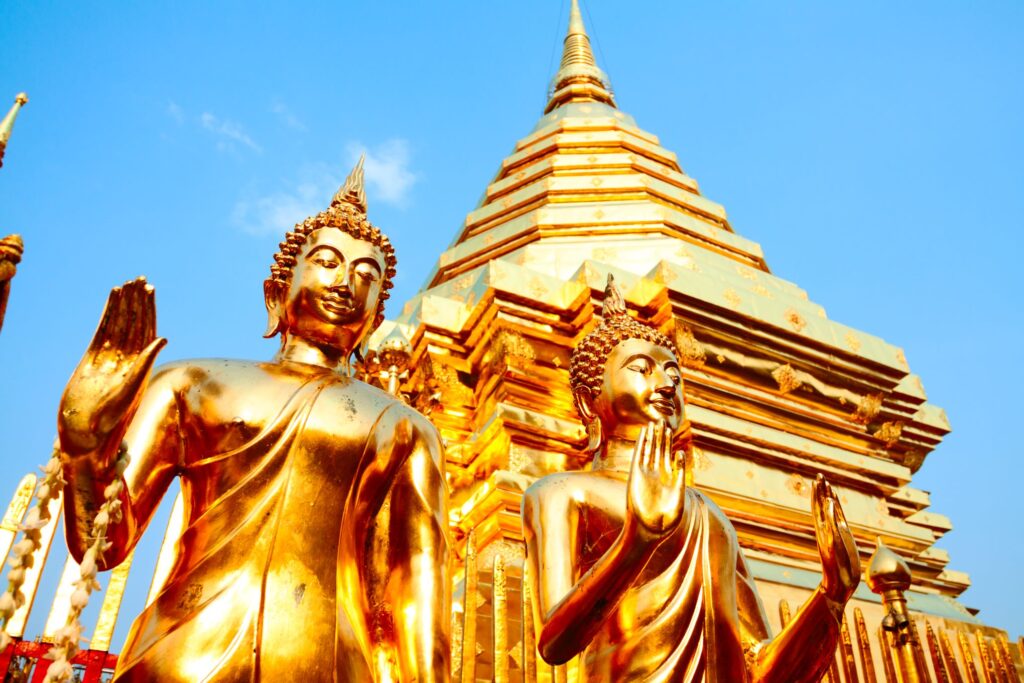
(664, 406)
(337, 304)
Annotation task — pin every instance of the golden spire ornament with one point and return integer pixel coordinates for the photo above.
(11, 249)
(579, 79)
(7, 125)
(889, 576)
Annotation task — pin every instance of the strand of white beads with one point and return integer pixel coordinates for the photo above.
(23, 553)
(66, 639)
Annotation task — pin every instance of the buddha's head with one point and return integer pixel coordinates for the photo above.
(625, 374)
(332, 274)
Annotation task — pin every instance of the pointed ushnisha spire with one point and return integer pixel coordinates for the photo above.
(7, 125)
(614, 303)
(578, 79)
(353, 191)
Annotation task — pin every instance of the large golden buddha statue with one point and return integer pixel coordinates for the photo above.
(315, 545)
(642, 575)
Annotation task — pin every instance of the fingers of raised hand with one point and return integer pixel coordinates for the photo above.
(128, 323)
(639, 451)
(649, 452)
(659, 464)
(836, 511)
(136, 315)
(131, 317)
(105, 329)
(679, 461)
(819, 500)
(150, 308)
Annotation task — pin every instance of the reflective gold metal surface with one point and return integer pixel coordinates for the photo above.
(889, 576)
(315, 508)
(776, 392)
(642, 576)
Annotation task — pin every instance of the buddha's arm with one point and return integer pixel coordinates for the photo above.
(413, 577)
(154, 445)
(570, 613)
(806, 646)
(802, 652)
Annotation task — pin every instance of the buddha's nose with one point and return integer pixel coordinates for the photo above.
(663, 383)
(342, 279)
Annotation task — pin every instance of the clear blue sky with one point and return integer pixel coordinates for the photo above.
(873, 149)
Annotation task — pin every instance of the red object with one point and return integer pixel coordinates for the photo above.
(94, 661)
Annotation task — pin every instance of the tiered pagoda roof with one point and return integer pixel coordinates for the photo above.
(777, 391)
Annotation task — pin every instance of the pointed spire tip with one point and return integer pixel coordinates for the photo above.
(579, 79)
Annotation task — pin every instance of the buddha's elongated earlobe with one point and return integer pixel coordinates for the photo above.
(275, 309)
(585, 405)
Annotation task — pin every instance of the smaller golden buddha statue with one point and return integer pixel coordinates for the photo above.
(315, 544)
(643, 576)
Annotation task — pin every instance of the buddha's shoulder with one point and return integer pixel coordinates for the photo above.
(196, 372)
(573, 487)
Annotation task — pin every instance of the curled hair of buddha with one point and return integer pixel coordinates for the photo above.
(588, 360)
(347, 212)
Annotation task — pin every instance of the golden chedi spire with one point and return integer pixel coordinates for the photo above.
(7, 125)
(578, 79)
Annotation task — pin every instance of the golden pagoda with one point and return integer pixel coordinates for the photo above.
(777, 393)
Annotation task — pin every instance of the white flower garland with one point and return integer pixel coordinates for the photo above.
(23, 558)
(66, 644)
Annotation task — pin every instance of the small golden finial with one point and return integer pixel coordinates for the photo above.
(578, 79)
(7, 125)
(11, 249)
(353, 192)
(887, 570)
(614, 303)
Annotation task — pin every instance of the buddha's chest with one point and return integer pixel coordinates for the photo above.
(303, 448)
(600, 527)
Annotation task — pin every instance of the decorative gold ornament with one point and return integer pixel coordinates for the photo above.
(11, 250)
(7, 125)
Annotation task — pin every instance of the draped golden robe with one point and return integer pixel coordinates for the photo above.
(285, 511)
(692, 615)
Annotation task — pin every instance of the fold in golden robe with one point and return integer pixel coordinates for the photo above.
(711, 617)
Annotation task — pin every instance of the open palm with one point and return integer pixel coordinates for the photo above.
(840, 561)
(104, 391)
(657, 482)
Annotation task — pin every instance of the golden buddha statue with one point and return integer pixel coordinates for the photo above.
(315, 542)
(643, 576)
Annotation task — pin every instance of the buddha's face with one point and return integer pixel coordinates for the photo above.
(336, 284)
(642, 383)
